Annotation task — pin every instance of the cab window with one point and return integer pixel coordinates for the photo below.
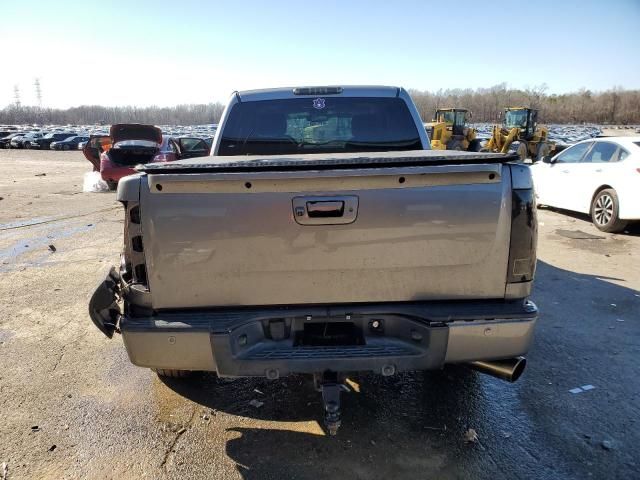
(574, 154)
(601, 152)
(192, 144)
(622, 154)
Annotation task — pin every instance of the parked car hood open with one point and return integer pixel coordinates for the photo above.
(135, 131)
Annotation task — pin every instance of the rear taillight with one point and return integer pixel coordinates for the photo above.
(132, 265)
(524, 236)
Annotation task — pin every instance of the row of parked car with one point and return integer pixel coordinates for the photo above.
(42, 140)
(74, 137)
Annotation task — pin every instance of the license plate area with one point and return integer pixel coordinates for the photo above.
(323, 334)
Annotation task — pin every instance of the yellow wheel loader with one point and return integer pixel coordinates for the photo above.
(449, 130)
(520, 124)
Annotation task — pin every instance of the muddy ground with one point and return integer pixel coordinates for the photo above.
(71, 405)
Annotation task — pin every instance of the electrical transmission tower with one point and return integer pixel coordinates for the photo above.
(16, 96)
(36, 85)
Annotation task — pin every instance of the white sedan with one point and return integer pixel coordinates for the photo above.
(600, 177)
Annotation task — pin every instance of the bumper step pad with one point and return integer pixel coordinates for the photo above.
(357, 351)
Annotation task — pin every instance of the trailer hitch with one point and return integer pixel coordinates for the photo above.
(329, 384)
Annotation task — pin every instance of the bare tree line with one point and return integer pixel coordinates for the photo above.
(614, 106)
(96, 115)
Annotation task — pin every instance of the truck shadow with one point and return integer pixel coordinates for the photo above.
(384, 425)
(414, 424)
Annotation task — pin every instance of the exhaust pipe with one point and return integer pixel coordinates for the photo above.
(509, 369)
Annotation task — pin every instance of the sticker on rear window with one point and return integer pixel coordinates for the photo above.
(318, 103)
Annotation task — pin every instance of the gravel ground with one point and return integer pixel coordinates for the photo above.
(73, 407)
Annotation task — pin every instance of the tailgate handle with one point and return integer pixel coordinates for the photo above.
(325, 209)
(321, 210)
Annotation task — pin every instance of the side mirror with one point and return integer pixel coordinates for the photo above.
(546, 159)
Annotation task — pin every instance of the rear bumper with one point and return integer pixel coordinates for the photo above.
(266, 342)
(111, 172)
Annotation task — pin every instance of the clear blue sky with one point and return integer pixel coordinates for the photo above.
(157, 52)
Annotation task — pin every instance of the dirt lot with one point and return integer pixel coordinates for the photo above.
(73, 407)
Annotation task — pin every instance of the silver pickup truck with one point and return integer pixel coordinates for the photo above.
(322, 236)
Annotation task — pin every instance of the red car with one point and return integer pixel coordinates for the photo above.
(133, 144)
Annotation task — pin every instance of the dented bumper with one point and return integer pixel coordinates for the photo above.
(104, 305)
(276, 341)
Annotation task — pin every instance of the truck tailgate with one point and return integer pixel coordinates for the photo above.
(326, 236)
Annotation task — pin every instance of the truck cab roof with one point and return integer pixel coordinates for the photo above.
(315, 91)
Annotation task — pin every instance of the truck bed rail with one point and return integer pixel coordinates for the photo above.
(320, 161)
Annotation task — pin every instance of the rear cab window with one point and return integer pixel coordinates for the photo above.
(320, 125)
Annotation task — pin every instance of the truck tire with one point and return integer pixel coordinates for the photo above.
(164, 372)
(454, 145)
(604, 211)
(521, 149)
(543, 150)
(113, 186)
(475, 145)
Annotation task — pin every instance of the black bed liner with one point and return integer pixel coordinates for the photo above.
(322, 161)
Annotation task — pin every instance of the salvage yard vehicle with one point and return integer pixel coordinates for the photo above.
(45, 142)
(449, 130)
(16, 140)
(132, 144)
(26, 140)
(600, 177)
(520, 129)
(5, 142)
(323, 236)
(70, 143)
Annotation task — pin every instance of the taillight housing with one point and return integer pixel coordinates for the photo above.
(524, 236)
